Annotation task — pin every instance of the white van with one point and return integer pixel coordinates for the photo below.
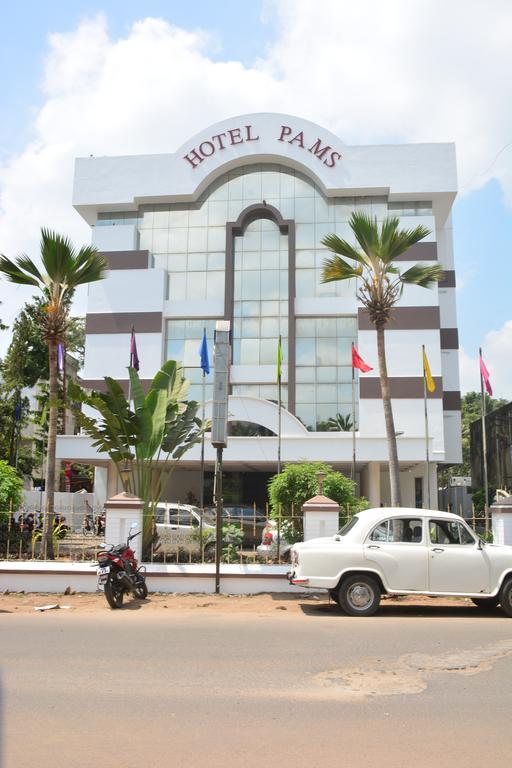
(178, 526)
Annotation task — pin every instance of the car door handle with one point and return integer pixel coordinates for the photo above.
(373, 546)
(437, 549)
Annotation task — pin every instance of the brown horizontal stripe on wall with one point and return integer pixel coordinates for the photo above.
(404, 319)
(419, 252)
(448, 280)
(126, 259)
(123, 322)
(451, 401)
(401, 387)
(100, 386)
(449, 338)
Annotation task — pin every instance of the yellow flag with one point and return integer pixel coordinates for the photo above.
(431, 386)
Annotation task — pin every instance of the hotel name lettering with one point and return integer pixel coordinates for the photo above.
(323, 152)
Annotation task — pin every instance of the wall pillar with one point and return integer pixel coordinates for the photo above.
(120, 512)
(321, 517)
(501, 517)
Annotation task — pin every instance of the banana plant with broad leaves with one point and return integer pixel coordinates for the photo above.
(149, 438)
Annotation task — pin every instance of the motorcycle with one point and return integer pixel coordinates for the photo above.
(93, 525)
(119, 573)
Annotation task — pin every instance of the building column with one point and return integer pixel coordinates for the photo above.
(113, 482)
(100, 486)
(370, 483)
(433, 502)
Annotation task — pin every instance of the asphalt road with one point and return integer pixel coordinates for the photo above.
(420, 686)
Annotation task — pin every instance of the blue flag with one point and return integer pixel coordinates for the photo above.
(203, 353)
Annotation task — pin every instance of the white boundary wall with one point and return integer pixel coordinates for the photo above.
(54, 577)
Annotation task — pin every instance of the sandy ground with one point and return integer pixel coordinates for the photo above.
(221, 604)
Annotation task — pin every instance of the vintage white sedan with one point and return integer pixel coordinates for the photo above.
(407, 552)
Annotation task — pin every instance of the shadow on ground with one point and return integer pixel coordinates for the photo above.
(394, 610)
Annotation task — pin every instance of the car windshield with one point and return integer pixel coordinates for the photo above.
(348, 526)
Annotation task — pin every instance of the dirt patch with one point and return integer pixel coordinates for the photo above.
(263, 604)
(409, 673)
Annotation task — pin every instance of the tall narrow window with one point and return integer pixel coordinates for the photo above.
(260, 304)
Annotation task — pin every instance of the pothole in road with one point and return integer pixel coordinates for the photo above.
(409, 673)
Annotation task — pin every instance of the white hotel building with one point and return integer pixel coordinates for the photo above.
(230, 227)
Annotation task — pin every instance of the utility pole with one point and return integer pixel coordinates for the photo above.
(222, 360)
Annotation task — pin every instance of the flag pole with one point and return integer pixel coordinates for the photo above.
(279, 408)
(353, 469)
(426, 425)
(484, 449)
(129, 366)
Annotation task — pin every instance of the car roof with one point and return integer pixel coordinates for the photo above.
(178, 505)
(379, 513)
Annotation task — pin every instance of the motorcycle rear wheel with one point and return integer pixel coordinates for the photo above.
(114, 594)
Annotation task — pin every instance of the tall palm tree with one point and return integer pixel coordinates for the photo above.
(380, 287)
(64, 268)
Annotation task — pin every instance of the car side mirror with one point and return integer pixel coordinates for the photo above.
(480, 544)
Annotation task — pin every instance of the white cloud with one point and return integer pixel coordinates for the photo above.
(393, 71)
(497, 355)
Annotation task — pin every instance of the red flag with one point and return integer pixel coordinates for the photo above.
(134, 358)
(358, 362)
(485, 376)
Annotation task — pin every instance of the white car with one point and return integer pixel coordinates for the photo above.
(406, 552)
(178, 526)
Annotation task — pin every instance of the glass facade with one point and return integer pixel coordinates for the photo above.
(324, 372)
(189, 242)
(184, 339)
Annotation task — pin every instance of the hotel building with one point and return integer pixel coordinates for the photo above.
(230, 227)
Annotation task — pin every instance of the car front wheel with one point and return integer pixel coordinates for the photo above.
(505, 597)
(359, 595)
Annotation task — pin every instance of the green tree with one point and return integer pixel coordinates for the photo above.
(299, 482)
(64, 269)
(150, 439)
(11, 487)
(381, 285)
(26, 365)
(471, 410)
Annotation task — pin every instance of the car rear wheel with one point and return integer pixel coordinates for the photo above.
(505, 597)
(485, 603)
(359, 595)
(209, 552)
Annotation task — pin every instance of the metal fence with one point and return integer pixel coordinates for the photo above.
(181, 534)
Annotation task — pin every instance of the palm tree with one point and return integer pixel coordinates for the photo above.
(64, 269)
(339, 423)
(380, 287)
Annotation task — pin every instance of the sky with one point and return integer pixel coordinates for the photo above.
(123, 77)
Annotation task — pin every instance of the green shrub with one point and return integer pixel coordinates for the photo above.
(299, 482)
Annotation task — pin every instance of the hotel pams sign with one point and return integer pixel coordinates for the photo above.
(246, 133)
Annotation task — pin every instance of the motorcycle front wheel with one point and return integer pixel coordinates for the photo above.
(141, 590)
(114, 593)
